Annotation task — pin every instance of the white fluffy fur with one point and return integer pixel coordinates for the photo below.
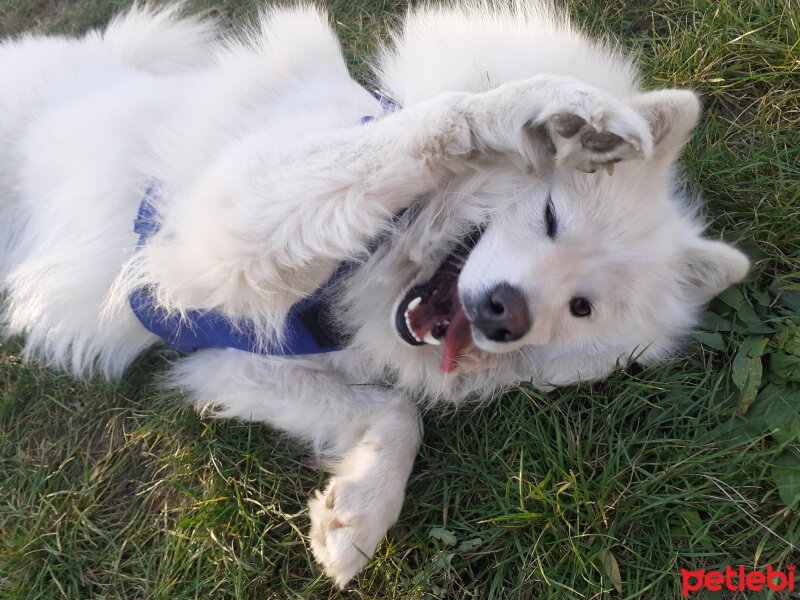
(268, 180)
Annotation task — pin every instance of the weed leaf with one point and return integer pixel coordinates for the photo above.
(443, 535)
(748, 370)
(786, 474)
(713, 340)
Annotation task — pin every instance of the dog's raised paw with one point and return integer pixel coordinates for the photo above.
(593, 130)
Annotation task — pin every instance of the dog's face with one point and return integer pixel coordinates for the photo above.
(598, 267)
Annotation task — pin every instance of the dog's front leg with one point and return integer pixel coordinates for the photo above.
(272, 217)
(268, 222)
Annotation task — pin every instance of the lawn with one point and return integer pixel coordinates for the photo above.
(118, 490)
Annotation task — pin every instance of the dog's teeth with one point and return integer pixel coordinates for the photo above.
(610, 168)
(429, 339)
(414, 304)
(410, 329)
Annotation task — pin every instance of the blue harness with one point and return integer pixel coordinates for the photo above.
(309, 327)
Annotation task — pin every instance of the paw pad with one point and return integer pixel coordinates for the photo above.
(600, 141)
(588, 145)
(567, 125)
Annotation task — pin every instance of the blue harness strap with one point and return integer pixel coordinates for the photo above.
(195, 329)
(386, 104)
(309, 328)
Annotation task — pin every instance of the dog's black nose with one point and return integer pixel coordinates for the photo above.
(502, 314)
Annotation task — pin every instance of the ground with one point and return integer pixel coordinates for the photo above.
(604, 491)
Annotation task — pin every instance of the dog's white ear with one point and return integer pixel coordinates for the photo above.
(671, 115)
(708, 267)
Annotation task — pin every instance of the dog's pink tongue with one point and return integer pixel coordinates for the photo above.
(457, 340)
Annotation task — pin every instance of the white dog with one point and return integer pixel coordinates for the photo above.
(505, 211)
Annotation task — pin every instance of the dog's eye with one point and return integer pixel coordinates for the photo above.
(580, 307)
(550, 219)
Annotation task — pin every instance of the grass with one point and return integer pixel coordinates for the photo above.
(604, 491)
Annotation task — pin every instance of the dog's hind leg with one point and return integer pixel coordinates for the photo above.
(364, 496)
(366, 436)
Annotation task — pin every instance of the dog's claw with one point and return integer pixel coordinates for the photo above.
(330, 497)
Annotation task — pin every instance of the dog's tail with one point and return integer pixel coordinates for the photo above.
(160, 40)
(299, 36)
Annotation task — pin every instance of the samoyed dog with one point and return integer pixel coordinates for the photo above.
(505, 209)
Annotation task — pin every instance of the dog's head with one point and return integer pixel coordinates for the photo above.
(579, 271)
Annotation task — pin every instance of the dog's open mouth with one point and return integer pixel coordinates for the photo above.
(431, 312)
